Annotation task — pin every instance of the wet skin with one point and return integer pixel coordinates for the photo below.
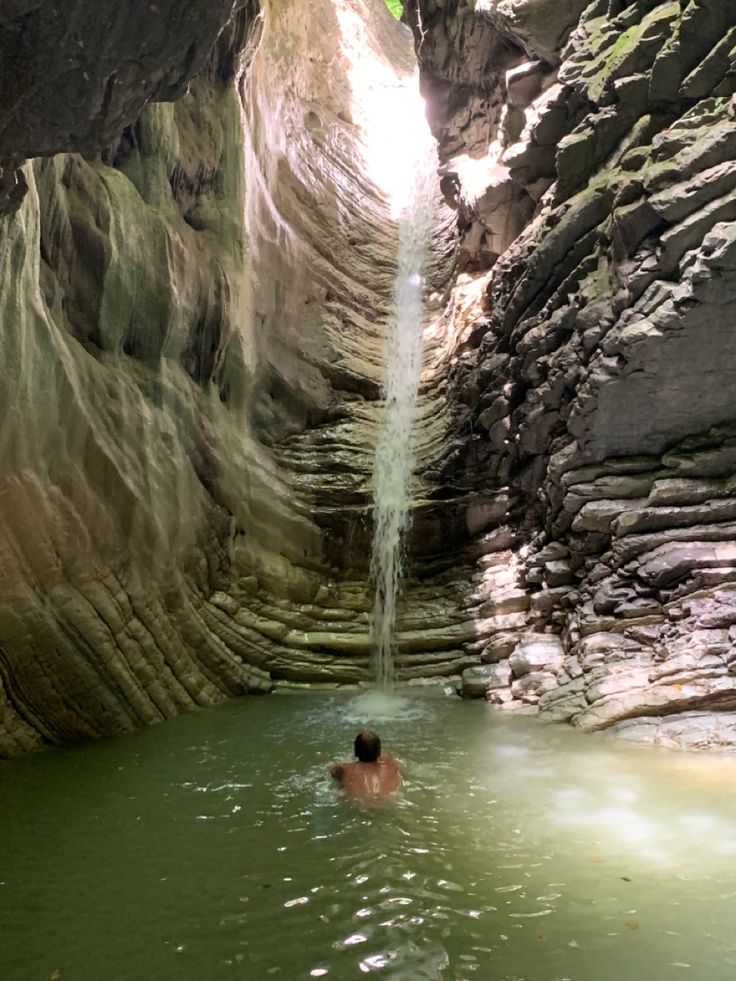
(377, 779)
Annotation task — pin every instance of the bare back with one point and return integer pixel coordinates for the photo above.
(369, 779)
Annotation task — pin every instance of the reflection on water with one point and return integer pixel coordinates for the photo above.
(217, 846)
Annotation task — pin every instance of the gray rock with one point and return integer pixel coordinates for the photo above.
(552, 552)
(477, 681)
(92, 75)
(523, 84)
(499, 647)
(542, 26)
(499, 696)
(558, 573)
(547, 601)
(673, 561)
(532, 686)
(536, 652)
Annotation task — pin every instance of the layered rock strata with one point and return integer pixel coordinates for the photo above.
(192, 340)
(598, 385)
(122, 286)
(192, 360)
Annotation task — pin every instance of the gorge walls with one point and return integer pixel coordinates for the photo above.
(191, 347)
(197, 265)
(598, 384)
(122, 286)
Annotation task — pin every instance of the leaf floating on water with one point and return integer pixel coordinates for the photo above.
(631, 925)
(596, 858)
(626, 878)
(572, 943)
(541, 938)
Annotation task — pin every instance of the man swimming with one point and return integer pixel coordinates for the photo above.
(373, 775)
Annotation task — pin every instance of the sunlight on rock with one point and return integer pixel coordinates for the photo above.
(477, 174)
(303, 395)
(389, 110)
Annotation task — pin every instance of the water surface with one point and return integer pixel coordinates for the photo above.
(215, 846)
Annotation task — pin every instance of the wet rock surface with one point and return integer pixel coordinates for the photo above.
(198, 289)
(72, 77)
(601, 371)
(183, 509)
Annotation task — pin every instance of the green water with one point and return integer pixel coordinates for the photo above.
(216, 847)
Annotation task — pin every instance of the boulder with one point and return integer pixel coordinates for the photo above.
(477, 681)
(499, 647)
(537, 652)
(532, 686)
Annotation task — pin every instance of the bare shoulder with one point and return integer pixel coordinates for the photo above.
(391, 769)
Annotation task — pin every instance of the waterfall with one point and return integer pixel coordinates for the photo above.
(394, 463)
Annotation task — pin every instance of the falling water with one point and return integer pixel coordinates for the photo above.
(394, 454)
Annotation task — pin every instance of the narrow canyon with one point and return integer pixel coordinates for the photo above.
(199, 238)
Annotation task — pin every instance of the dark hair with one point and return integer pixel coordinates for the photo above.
(367, 746)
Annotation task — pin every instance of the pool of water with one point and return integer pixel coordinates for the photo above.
(216, 846)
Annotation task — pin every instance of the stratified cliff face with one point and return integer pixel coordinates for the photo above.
(122, 289)
(73, 75)
(193, 297)
(192, 322)
(593, 174)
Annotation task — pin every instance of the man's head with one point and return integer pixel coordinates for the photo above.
(367, 746)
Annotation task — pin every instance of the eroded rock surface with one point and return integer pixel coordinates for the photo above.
(192, 361)
(193, 299)
(72, 76)
(599, 383)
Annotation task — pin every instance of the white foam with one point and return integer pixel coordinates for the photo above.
(380, 706)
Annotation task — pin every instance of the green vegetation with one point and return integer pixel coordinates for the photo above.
(396, 7)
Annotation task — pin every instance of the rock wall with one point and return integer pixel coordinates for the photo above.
(193, 298)
(593, 172)
(193, 312)
(122, 286)
(70, 79)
